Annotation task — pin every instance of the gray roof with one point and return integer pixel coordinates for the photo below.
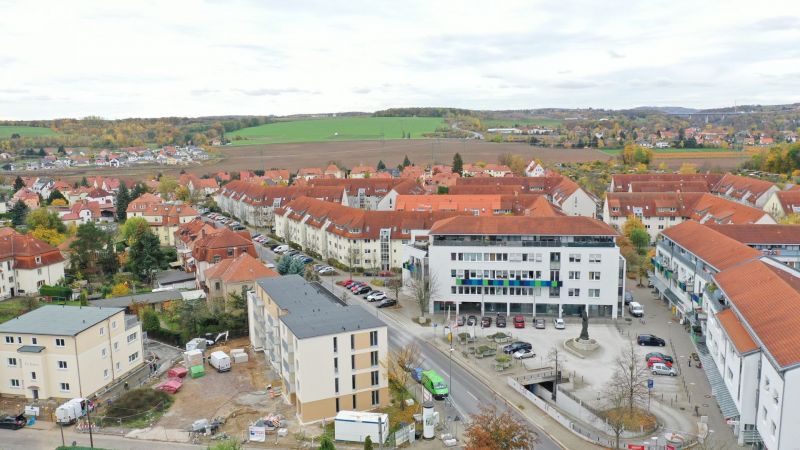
(174, 276)
(30, 349)
(313, 310)
(149, 297)
(58, 320)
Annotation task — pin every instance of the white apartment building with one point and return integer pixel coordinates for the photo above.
(780, 242)
(26, 264)
(751, 337)
(552, 266)
(328, 354)
(352, 236)
(67, 351)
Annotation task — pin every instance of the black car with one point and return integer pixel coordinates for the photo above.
(649, 339)
(501, 321)
(472, 320)
(363, 290)
(515, 346)
(387, 303)
(486, 322)
(12, 422)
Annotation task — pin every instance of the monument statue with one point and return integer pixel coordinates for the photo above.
(584, 326)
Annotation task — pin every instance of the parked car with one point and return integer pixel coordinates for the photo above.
(375, 296)
(559, 323)
(363, 290)
(326, 270)
(270, 265)
(13, 422)
(461, 321)
(500, 321)
(524, 353)
(649, 339)
(517, 346)
(656, 360)
(348, 283)
(356, 287)
(539, 324)
(387, 302)
(628, 297)
(486, 322)
(519, 321)
(385, 273)
(280, 248)
(667, 358)
(663, 369)
(472, 320)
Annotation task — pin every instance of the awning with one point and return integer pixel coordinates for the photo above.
(175, 264)
(718, 388)
(658, 284)
(673, 299)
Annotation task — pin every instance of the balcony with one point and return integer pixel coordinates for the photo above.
(131, 321)
(507, 283)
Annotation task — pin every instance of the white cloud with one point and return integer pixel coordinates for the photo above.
(193, 58)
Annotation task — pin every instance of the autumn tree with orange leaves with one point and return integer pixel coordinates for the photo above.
(489, 430)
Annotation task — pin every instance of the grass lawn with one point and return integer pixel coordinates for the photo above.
(7, 130)
(12, 308)
(335, 129)
(508, 123)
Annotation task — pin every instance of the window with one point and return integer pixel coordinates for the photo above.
(62, 364)
(132, 337)
(374, 378)
(354, 401)
(335, 346)
(336, 385)
(9, 339)
(574, 275)
(103, 352)
(352, 342)
(353, 382)
(133, 357)
(12, 362)
(763, 413)
(376, 398)
(116, 346)
(19, 339)
(574, 257)
(230, 251)
(15, 383)
(373, 338)
(594, 293)
(118, 365)
(337, 405)
(105, 373)
(594, 276)
(60, 342)
(353, 362)
(574, 292)
(772, 427)
(373, 359)
(336, 365)
(64, 387)
(730, 373)
(33, 376)
(34, 341)
(594, 258)
(102, 331)
(113, 324)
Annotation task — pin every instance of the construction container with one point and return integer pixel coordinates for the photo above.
(193, 358)
(197, 371)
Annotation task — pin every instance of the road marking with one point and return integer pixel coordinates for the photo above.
(471, 395)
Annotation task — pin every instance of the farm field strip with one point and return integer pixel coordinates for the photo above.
(7, 131)
(335, 129)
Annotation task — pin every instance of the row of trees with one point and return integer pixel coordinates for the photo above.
(782, 158)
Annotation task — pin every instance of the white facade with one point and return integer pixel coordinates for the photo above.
(579, 203)
(553, 280)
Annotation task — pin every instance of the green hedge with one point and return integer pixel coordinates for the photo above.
(56, 291)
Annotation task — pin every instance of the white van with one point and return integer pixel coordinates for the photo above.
(220, 361)
(636, 309)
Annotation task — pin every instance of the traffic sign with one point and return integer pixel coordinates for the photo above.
(650, 383)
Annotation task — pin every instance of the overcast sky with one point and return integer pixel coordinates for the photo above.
(142, 59)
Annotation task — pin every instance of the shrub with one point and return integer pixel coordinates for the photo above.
(132, 404)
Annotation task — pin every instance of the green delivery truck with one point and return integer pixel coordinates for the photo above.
(434, 383)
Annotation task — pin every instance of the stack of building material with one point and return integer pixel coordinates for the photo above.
(172, 385)
(238, 355)
(177, 372)
(193, 358)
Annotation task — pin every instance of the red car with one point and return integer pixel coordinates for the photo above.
(386, 273)
(656, 359)
(519, 321)
(346, 283)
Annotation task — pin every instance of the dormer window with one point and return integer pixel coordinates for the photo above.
(38, 260)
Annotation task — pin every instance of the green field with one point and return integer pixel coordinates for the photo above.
(617, 151)
(508, 123)
(335, 129)
(7, 130)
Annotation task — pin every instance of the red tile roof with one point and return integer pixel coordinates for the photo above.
(669, 186)
(508, 225)
(767, 304)
(761, 233)
(242, 268)
(745, 189)
(699, 206)
(485, 205)
(24, 249)
(736, 332)
(622, 181)
(218, 242)
(711, 246)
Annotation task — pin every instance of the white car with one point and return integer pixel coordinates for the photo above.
(327, 269)
(270, 266)
(375, 296)
(523, 354)
(281, 248)
(663, 369)
(559, 324)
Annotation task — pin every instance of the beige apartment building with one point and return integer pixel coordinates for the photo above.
(67, 351)
(329, 354)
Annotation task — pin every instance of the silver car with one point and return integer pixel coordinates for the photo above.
(663, 369)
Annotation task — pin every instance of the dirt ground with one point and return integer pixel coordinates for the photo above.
(240, 396)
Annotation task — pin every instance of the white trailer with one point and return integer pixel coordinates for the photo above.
(355, 426)
(220, 361)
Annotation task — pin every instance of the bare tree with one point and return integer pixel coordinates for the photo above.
(630, 377)
(399, 364)
(423, 286)
(616, 412)
(557, 359)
